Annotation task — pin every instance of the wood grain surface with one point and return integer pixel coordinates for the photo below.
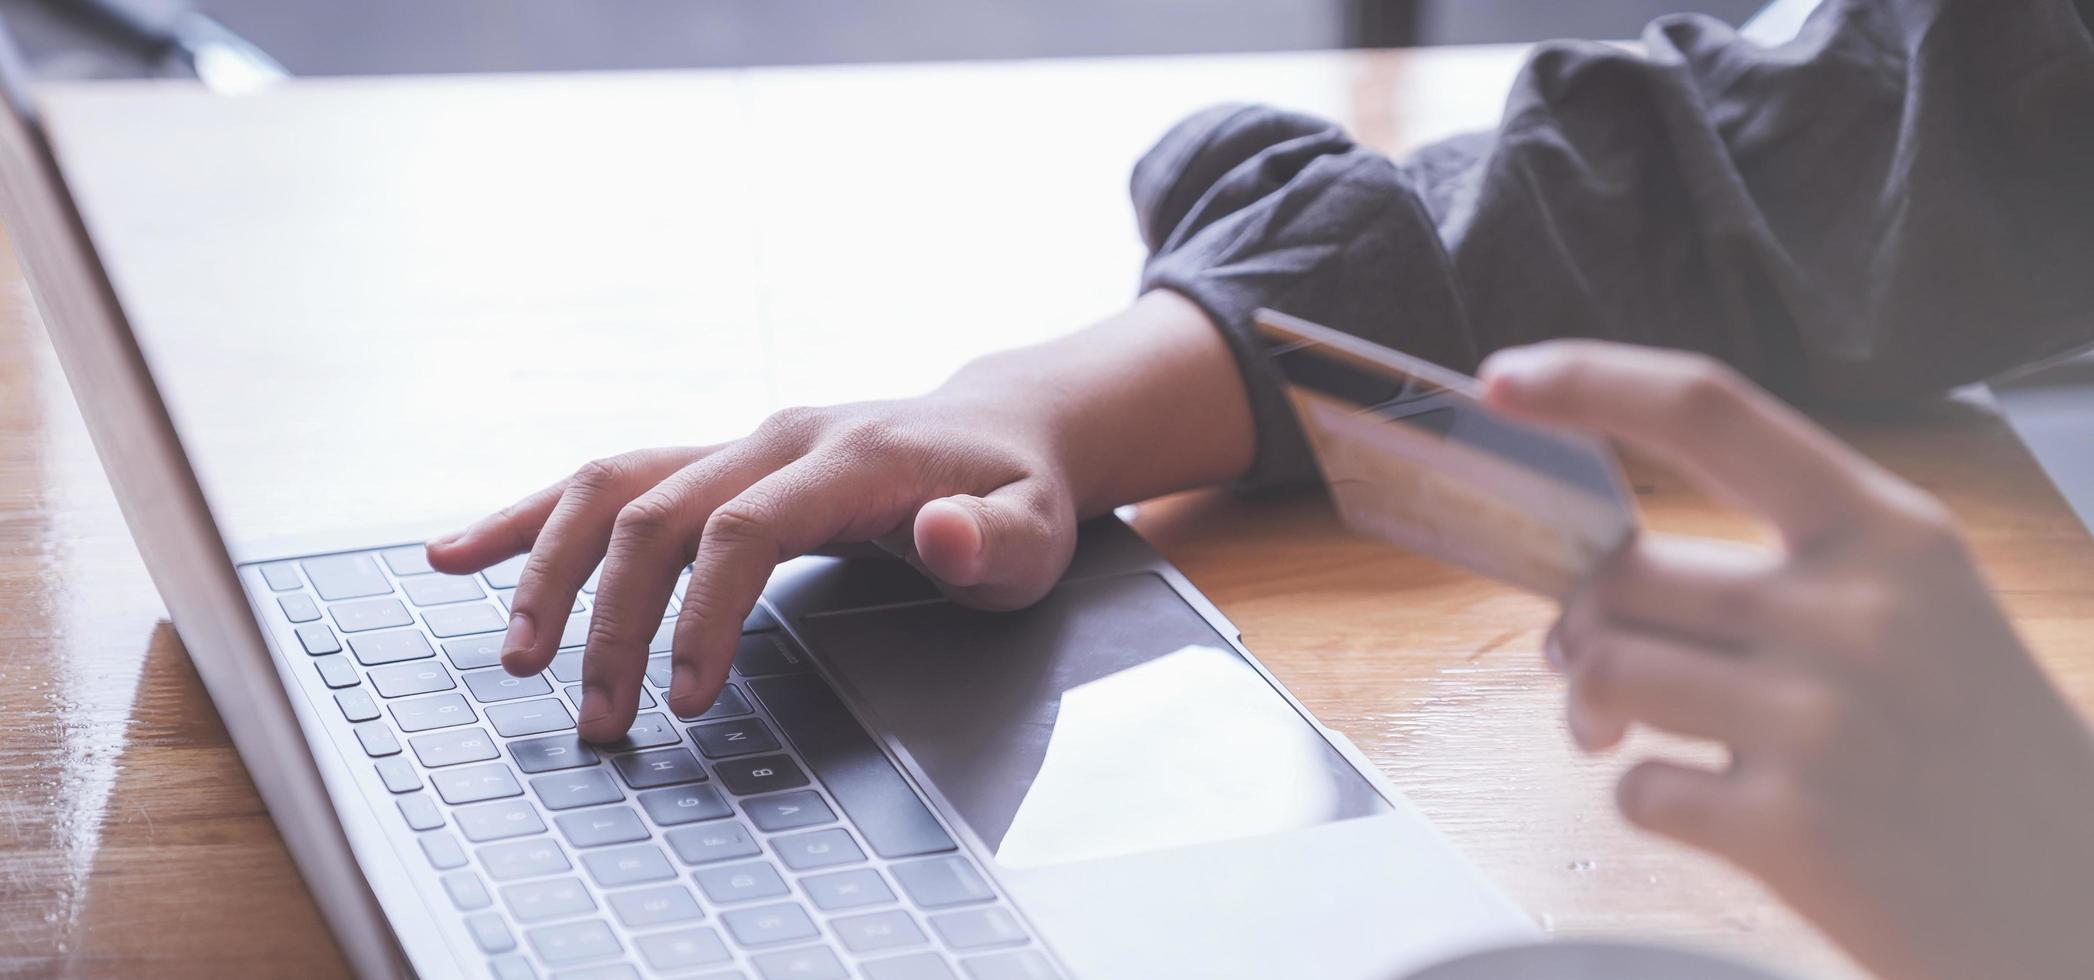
(377, 301)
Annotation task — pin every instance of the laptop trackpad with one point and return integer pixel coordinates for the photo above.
(1108, 720)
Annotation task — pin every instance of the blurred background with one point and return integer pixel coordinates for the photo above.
(75, 38)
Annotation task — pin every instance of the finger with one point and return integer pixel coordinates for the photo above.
(567, 549)
(1623, 677)
(1732, 439)
(651, 540)
(502, 534)
(1002, 551)
(815, 500)
(1717, 591)
(1697, 807)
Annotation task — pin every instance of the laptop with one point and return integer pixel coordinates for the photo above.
(1105, 785)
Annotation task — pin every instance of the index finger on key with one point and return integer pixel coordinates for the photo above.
(652, 538)
(1730, 438)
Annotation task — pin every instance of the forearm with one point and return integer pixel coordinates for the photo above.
(1144, 403)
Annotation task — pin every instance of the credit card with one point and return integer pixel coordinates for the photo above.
(1412, 457)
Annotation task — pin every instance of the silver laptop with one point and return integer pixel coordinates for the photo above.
(1106, 785)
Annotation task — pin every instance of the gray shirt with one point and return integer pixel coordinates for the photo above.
(1898, 201)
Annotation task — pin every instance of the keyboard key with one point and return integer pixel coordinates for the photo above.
(467, 892)
(635, 864)
(1023, 964)
(447, 621)
(648, 731)
(412, 559)
(490, 933)
(420, 812)
(514, 718)
(684, 804)
(764, 654)
(389, 648)
(365, 615)
(683, 948)
(281, 576)
(576, 788)
(603, 825)
(662, 767)
(498, 685)
(512, 968)
(574, 942)
(339, 577)
(574, 694)
(336, 672)
(434, 711)
(494, 821)
(786, 811)
(877, 931)
(664, 639)
(729, 704)
(916, 966)
(978, 928)
(575, 633)
(552, 753)
(847, 890)
(452, 748)
(443, 851)
(378, 741)
(504, 596)
(760, 774)
(567, 668)
(298, 607)
(725, 739)
(474, 652)
(712, 842)
(398, 774)
(404, 680)
(503, 575)
(557, 898)
(522, 858)
(611, 971)
(317, 639)
(640, 908)
(865, 786)
(942, 882)
(817, 849)
(811, 963)
(768, 925)
(658, 671)
(437, 590)
(475, 783)
(740, 882)
(356, 704)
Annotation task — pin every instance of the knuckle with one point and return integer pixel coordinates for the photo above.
(598, 474)
(1705, 396)
(867, 437)
(646, 518)
(1811, 714)
(797, 424)
(745, 518)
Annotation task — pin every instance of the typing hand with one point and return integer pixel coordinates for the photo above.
(1901, 770)
(961, 483)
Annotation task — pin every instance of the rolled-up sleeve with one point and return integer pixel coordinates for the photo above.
(1898, 201)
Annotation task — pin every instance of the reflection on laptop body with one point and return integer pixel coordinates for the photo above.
(1106, 785)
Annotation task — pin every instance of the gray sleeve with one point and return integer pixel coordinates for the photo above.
(1898, 201)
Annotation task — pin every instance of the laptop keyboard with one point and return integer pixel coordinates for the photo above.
(766, 838)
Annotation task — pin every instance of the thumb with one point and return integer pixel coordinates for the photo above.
(1002, 551)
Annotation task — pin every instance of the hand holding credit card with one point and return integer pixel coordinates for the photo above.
(1412, 457)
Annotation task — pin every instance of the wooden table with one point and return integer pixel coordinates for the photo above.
(131, 842)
